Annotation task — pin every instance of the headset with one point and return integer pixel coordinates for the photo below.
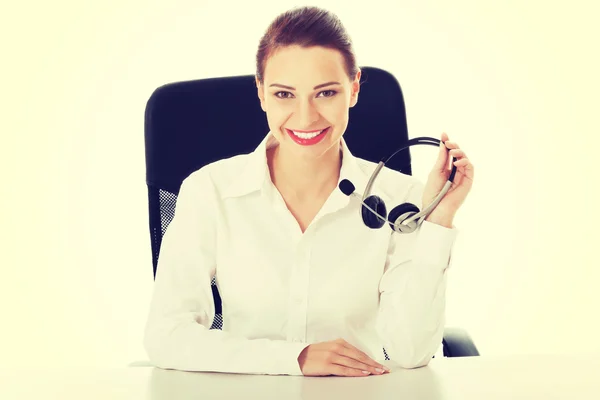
(406, 217)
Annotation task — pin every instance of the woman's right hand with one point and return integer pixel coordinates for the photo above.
(337, 357)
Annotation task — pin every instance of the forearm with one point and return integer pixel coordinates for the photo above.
(186, 345)
(411, 318)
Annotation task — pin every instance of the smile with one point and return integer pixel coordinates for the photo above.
(307, 138)
(307, 134)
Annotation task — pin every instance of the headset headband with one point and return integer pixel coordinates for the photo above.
(413, 142)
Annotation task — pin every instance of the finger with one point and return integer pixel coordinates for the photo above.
(453, 156)
(361, 356)
(353, 352)
(466, 167)
(358, 365)
(463, 162)
(458, 153)
(451, 145)
(339, 370)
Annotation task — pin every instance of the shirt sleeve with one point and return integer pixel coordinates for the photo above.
(412, 290)
(177, 334)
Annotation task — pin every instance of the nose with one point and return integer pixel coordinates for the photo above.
(306, 114)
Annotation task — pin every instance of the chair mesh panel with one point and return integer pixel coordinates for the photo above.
(166, 202)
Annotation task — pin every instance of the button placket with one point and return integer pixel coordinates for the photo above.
(298, 291)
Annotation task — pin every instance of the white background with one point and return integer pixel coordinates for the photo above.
(515, 83)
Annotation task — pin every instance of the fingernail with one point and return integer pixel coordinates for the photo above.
(366, 372)
(379, 370)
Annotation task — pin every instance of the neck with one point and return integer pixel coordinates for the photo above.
(304, 179)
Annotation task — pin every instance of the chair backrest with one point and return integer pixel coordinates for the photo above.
(190, 124)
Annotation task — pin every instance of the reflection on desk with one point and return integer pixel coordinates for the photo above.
(419, 383)
(489, 378)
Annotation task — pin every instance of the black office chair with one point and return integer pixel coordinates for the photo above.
(189, 124)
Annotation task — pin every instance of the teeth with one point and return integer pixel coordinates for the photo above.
(309, 135)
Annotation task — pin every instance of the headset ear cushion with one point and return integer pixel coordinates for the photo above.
(370, 219)
(402, 209)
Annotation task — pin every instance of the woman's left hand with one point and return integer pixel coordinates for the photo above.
(445, 211)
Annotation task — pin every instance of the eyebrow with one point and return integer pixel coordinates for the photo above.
(315, 88)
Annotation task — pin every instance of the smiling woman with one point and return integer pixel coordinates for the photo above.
(304, 51)
(300, 294)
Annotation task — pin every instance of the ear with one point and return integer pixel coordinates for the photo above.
(261, 93)
(355, 89)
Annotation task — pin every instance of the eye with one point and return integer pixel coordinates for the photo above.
(332, 93)
(277, 94)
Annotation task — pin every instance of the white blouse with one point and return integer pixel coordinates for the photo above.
(282, 289)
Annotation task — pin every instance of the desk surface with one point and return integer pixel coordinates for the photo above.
(516, 377)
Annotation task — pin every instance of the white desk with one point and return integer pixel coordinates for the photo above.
(480, 378)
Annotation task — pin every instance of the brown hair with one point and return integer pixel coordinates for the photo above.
(306, 26)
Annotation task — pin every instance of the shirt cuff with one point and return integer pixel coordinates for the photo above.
(289, 358)
(434, 244)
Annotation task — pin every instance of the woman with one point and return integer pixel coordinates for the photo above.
(306, 287)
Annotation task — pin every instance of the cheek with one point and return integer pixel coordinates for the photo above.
(275, 114)
(277, 111)
(337, 116)
(276, 120)
(335, 110)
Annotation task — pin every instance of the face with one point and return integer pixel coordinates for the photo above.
(307, 95)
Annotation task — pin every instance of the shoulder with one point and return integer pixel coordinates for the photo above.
(392, 185)
(218, 175)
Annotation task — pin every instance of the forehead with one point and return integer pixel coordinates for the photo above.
(296, 65)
